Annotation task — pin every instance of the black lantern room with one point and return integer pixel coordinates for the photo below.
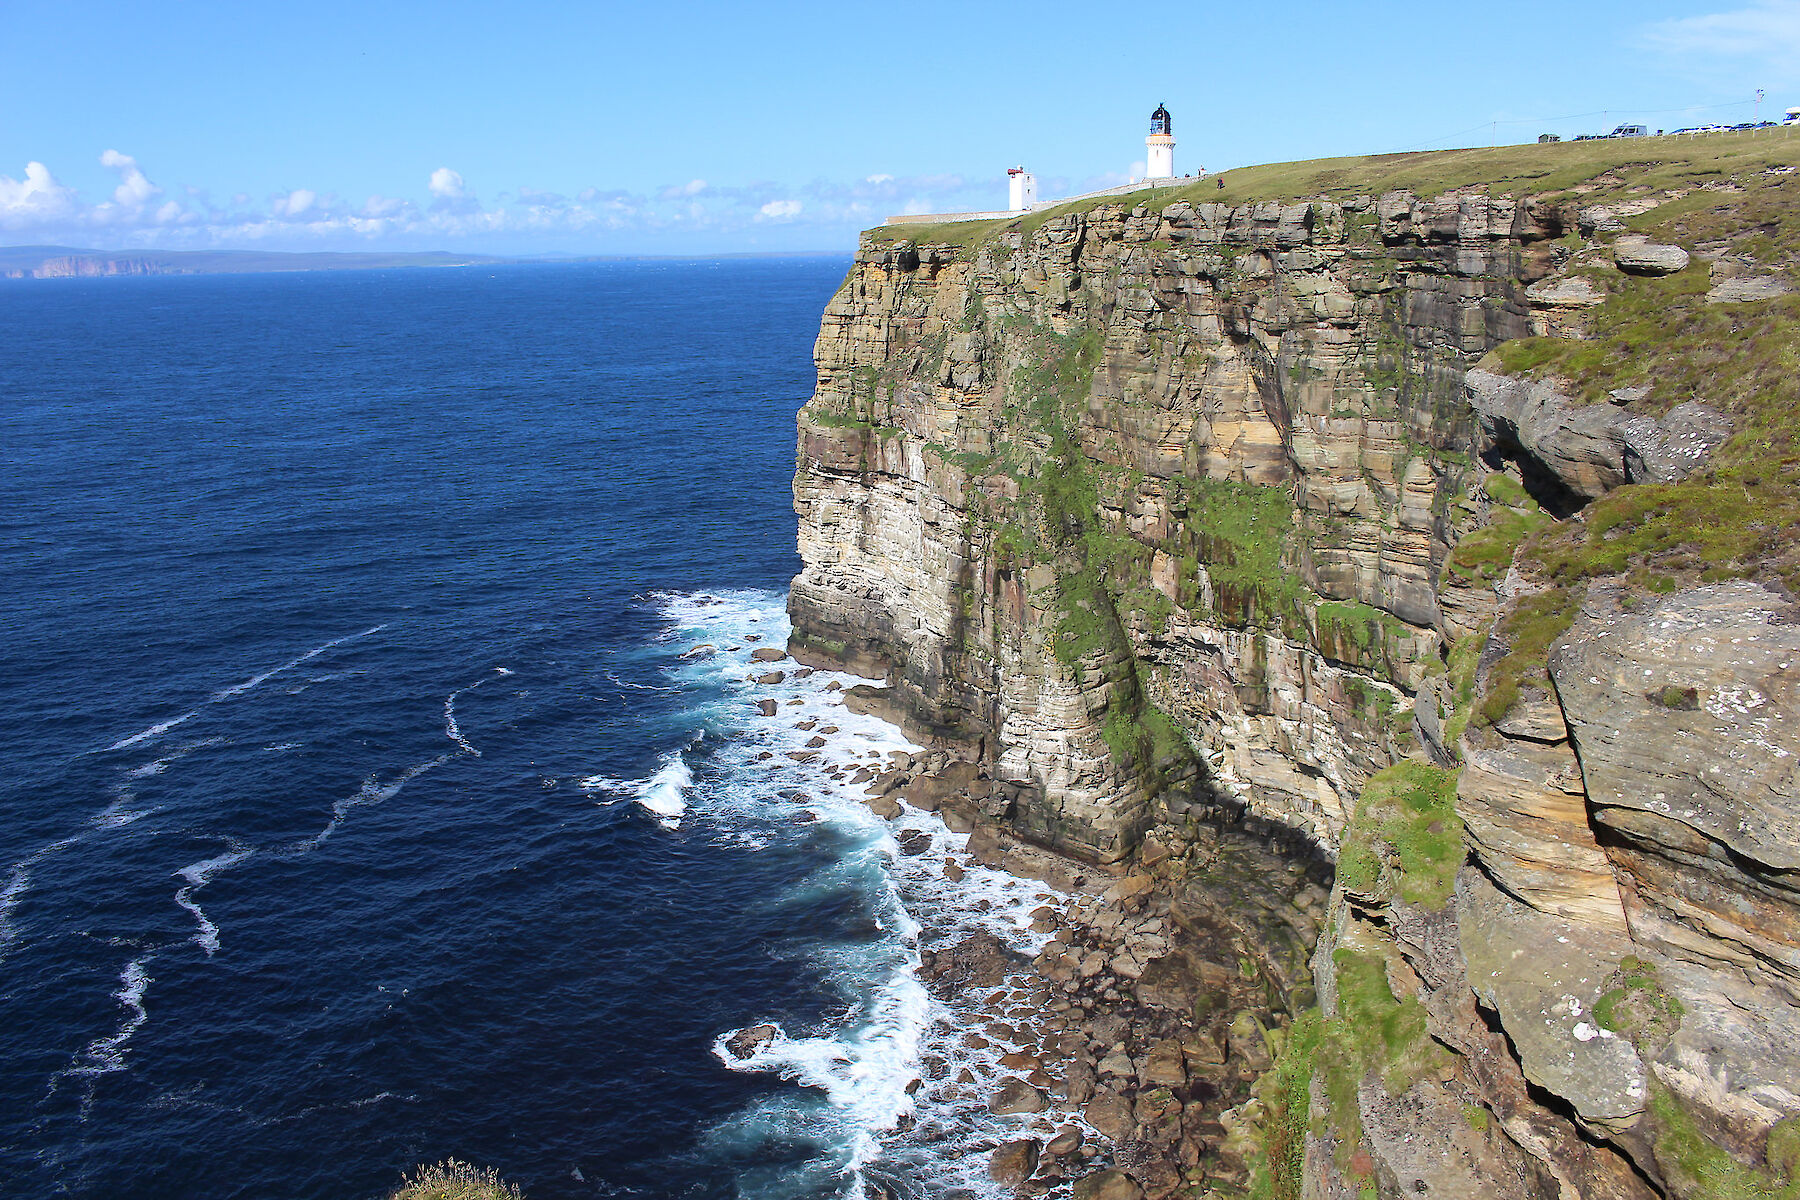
(1159, 122)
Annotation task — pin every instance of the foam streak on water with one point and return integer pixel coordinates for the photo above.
(198, 875)
(238, 689)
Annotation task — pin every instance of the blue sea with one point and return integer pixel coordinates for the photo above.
(381, 779)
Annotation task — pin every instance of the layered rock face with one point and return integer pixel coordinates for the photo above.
(1170, 516)
(1294, 369)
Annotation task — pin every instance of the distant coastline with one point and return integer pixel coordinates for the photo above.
(69, 262)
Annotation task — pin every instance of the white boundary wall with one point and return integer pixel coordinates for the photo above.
(1123, 189)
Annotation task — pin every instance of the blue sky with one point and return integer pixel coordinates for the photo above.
(709, 127)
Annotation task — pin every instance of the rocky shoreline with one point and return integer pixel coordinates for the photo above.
(1129, 1045)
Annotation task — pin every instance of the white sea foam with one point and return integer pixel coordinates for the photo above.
(262, 677)
(452, 730)
(372, 792)
(864, 1063)
(238, 689)
(104, 1055)
(17, 884)
(198, 875)
(157, 730)
(664, 794)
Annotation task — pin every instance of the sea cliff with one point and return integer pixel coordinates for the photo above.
(1419, 526)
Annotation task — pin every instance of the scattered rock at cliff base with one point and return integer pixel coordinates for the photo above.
(1015, 1096)
(748, 1043)
(767, 708)
(885, 807)
(704, 650)
(766, 654)
(1013, 1163)
(1110, 1113)
(979, 960)
(1067, 1141)
(1640, 256)
(1111, 1184)
(770, 677)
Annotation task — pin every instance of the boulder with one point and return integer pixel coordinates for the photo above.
(767, 654)
(767, 708)
(1067, 1141)
(1164, 1067)
(1112, 1184)
(1111, 1114)
(1016, 1096)
(747, 1043)
(1574, 292)
(1543, 975)
(1013, 1163)
(770, 677)
(1640, 256)
(1745, 289)
(1685, 710)
(1249, 1041)
(1591, 449)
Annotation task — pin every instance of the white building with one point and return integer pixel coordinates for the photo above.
(1021, 189)
(1159, 147)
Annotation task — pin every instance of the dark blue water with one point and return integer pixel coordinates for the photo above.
(338, 614)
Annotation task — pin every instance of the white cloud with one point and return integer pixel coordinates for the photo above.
(447, 184)
(1763, 37)
(34, 200)
(137, 213)
(134, 190)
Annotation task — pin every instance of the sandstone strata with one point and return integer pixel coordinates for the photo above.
(1188, 526)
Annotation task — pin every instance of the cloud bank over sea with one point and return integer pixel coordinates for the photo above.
(450, 212)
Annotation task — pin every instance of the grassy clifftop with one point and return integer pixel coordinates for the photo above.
(1605, 169)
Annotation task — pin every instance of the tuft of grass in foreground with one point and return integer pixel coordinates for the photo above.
(454, 1180)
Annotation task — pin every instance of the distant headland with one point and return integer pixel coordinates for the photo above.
(68, 262)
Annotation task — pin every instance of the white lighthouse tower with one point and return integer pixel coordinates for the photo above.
(1159, 147)
(1021, 189)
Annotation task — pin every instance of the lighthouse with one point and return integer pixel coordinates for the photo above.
(1159, 147)
(1021, 189)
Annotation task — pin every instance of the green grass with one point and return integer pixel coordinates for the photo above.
(1638, 1007)
(1242, 533)
(1405, 838)
(1696, 1166)
(1484, 554)
(1629, 165)
(1464, 658)
(1286, 1093)
(1528, 629)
